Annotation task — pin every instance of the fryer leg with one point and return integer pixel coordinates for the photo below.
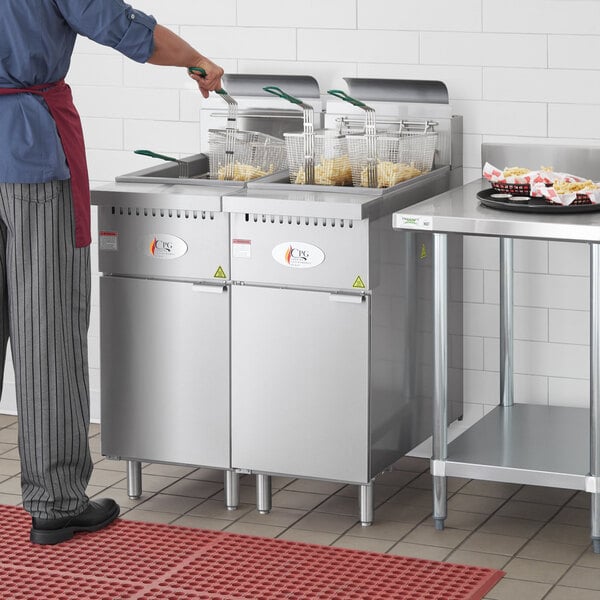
(366, 504)
(134, 479)
(263, 494)
(232, 489)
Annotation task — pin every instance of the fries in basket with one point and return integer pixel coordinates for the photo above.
(243, 172)
(389, 174)
(569, 187)
(556, 188)
(330, 171)
(515, 172)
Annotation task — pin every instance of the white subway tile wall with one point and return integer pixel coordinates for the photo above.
(517, 70)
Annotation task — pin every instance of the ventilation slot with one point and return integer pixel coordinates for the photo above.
(161, 213)
(298, 221)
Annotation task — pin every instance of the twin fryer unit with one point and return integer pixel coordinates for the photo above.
(273, 328)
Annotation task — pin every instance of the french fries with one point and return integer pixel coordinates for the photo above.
(330, 171)
(515, 171)
(389, 174)
(570, 187)
(242, 172)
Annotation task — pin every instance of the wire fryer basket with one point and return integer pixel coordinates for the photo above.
(255, 155)
(331, 160)
(399, 157)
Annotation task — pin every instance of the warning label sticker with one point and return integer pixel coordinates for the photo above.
(359, 283)
(220, 274)
(108, 240)
(241, 248)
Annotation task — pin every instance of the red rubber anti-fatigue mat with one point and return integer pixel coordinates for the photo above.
(145, 561)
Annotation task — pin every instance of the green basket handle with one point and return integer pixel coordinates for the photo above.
(202, 73)
(155, 155)
(273, 89)
(197, 71)
(341, 94)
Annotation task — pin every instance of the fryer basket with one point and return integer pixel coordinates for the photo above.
(255, 155)
(331, 160)
(400, 156)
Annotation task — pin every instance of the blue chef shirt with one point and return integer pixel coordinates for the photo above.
(36, 42)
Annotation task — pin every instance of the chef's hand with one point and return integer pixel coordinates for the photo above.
(212, 80)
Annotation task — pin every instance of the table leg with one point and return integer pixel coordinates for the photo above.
(506, 322)
(440, 367)
(595, 389)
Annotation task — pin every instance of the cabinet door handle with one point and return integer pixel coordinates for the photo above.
(348, 298)
(208, 289)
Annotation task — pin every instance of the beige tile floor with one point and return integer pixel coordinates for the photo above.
(539, 536)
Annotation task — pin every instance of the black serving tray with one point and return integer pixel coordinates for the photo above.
(535, 205)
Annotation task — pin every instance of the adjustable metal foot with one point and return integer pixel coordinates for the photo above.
(366, 504)
(263, 494)
(134, 479)
(232, 490)
(596, 545)
(440, 508)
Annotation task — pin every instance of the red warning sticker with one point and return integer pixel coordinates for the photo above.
(109, 240)
(241, 248)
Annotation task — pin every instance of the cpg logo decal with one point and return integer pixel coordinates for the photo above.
(163, 245)
(298, 255)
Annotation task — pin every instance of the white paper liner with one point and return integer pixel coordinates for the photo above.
(541, 184)
(550, 194)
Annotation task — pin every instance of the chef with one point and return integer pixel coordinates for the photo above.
(45, 238)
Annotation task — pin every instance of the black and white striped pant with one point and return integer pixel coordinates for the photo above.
(44, 307)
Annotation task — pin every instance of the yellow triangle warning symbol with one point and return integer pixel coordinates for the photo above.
(423, 251)
(358, 283)
(220, 273)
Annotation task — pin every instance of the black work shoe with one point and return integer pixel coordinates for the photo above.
(96, 516)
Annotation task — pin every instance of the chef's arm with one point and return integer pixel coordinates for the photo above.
(171, 50)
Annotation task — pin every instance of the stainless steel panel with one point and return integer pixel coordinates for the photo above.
(548, 439)
(274, 195)
(456, 149)
(402, 346)
(300, 383)
(459, 211)
(251, 85)
(398, 90)
(258, 243)
(254, 114)
(147, 194)
(278, 198)
(582, 160)
(168, 172)
(164, 243)
(165, 371)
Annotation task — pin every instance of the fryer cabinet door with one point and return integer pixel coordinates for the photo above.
(165, 371)
(300, 383)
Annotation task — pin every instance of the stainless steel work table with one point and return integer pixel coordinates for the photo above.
(516, 443)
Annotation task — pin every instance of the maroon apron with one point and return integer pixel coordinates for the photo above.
(59, 99)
